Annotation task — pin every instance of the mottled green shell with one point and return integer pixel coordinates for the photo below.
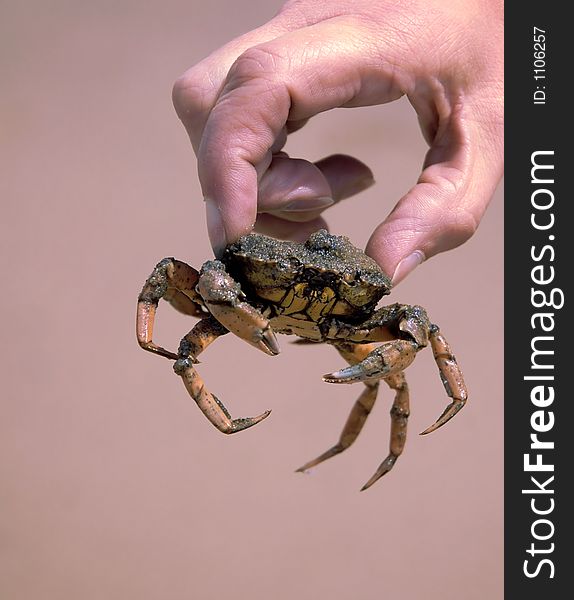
(261, 264)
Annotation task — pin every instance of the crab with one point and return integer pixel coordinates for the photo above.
(323, 291)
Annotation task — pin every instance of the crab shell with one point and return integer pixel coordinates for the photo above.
(325, 276)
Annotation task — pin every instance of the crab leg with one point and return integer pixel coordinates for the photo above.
(399, 418)
(353, 353)
(451, 377)
(414, 331)
(357, 418)
(175, 282)
(202, 335)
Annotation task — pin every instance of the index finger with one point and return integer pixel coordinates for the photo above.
(292, 77)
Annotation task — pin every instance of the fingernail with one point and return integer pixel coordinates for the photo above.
(354, 187)
(215, 227)
(407, 265)
(307, 204)
(364, 183)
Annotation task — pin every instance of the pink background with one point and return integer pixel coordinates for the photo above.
(112, 484)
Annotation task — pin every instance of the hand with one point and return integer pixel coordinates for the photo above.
(240, 103)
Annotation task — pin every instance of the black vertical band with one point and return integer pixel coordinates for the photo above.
(539, 267)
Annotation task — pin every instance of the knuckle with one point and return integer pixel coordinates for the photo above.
(190, 92)
(450, 194)
(257, 62)
(461, 226)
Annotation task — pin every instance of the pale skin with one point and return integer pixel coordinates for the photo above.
(240, 103)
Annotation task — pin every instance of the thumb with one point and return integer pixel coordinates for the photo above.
(444, 208)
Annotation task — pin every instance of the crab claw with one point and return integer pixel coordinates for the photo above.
(350, 375)
(224, 299)
(248, 323)
(266, 341)
(246, 422)
(209, 404)
(390, 357)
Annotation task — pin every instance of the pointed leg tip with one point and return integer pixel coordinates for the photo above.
(154, 349)
(371, 481)
(437, 424)
(306, 467)
(383, 469)
(428, 430)
(447, 415)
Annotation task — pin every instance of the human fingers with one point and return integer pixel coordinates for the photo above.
(196, 91)
(290, 78)
(444, 208)
(288, 230)
(298, 190)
